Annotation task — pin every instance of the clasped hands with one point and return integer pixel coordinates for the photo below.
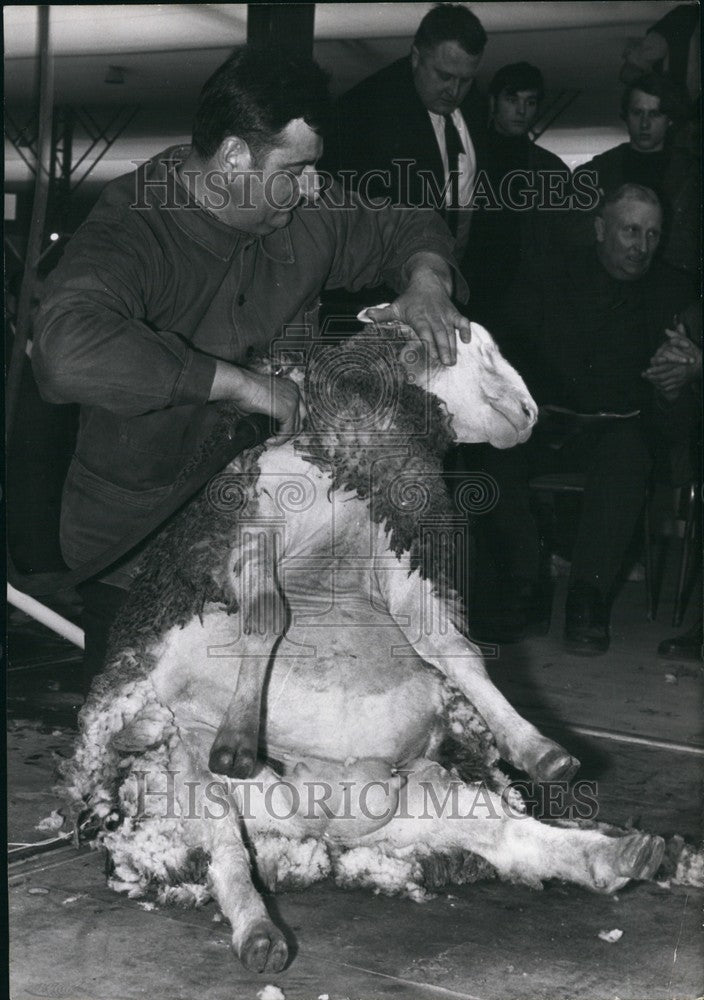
(676, 362)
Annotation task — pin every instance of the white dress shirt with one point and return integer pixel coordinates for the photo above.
(467, 166)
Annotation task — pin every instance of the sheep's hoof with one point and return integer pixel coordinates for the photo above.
(555, 765)
(264, 949)
(639, 855)
(235, 762)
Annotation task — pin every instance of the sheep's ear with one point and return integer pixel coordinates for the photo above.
(415, 360)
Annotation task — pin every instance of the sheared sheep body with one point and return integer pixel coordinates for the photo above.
(324, 565)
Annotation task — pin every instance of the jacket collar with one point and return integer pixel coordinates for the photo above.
(277, 246)
(201, 226)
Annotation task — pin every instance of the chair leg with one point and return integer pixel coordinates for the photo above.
(685, 559)
(650, 588)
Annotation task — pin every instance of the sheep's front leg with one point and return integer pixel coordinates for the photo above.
(427, 623)
(263, 618)
(440, 813)
(234, 749)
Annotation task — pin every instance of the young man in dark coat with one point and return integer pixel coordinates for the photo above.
(660, 155)
(522, 192)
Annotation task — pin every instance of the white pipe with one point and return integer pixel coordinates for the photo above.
(641, 741)
(46, 616)
(611, 734)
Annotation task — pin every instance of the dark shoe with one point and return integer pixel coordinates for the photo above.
(683, 647)
(586, 621)
(524, 610)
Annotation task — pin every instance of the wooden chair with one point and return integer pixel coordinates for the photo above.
(573, 483)
(690, 507)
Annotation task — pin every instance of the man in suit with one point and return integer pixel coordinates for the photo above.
(411, 133)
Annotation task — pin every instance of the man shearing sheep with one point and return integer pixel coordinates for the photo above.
(186, 264)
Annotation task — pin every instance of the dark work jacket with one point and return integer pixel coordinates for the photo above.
(151, 291)
(382, 125)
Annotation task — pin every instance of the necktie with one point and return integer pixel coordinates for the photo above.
(454, 147)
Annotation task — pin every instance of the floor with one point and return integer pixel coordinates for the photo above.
(634, 720)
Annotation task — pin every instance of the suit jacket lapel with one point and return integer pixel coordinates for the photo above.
(415, 117)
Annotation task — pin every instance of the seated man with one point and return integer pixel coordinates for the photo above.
(583, 334)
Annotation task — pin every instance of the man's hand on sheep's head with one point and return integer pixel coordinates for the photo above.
(259, 393)
(426, 307)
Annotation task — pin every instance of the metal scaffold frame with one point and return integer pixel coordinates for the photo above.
(98, 131)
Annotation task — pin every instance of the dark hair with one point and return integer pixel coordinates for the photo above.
(672, 100)
(451, 22)
(254, 95)
(515, 77)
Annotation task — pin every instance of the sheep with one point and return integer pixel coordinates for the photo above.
(320, 573)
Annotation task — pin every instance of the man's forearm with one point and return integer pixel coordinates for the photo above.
(86, 353)
(252, 393)
(427, 264)
(229, 382)
(255, 393)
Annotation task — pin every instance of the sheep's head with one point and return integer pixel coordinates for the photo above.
(485, 396)
(355, 386)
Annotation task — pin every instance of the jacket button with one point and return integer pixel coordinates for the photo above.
(240, 299)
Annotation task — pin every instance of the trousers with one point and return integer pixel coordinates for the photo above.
(616, 461)
(101, 605)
